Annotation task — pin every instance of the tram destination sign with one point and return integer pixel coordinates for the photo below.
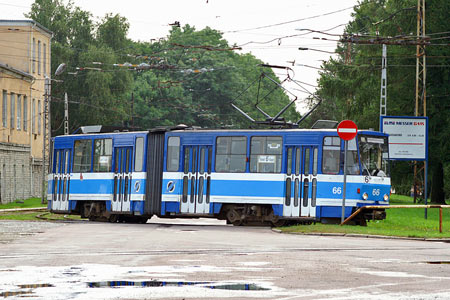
(408, 137)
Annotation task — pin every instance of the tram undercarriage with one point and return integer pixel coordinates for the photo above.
(96, 211)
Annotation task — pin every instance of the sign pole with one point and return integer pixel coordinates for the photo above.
(345, 181)
(347, 130)
(426, 187)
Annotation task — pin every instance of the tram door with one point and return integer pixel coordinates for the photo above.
(301, 181)
(122, 179)
(309, 181)
(61, 179)
(196, 179)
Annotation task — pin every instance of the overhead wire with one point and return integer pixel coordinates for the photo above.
(294, 21)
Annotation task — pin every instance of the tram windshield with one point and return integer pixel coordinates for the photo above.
(374, 155)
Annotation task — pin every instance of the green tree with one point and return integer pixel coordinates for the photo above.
(112, 32)
(350, 84)
(203, 77)
(95, 96)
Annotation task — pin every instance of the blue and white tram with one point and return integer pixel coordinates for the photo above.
(243, 176)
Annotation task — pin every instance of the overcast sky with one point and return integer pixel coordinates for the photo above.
(241, 21)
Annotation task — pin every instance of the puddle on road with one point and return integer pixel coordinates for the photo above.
(35, 286)
(156, 283)
(25, 286)
(17, 293)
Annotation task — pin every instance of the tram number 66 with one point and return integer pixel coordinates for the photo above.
(337, 190)
(376, 192)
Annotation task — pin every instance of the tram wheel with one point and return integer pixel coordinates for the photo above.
(113, 218)
(237, 223)
(275, 220)
(233, 217)
(279, 223)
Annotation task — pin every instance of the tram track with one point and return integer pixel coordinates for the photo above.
(66, 218)
(218, 251)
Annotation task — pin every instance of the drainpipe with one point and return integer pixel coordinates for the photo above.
(30, 131)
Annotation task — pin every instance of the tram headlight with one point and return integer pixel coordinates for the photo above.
(386, 197)
(365, 196)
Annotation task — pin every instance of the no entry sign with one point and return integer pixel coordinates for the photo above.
(347, 130)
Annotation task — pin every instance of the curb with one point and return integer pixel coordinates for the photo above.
(22, 209)
(444, 240)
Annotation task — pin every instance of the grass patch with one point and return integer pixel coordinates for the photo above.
(32, 216)
(28, 203)
(405, 222)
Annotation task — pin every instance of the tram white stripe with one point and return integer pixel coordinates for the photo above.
(105, 197)
(250, 200)
(101, 175)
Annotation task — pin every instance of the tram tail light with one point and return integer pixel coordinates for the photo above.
(358, 191)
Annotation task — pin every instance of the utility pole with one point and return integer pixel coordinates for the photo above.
(383, 99)
(46, 136)
(66, 114)
(47, 128)
(132, 110)
(421, 95)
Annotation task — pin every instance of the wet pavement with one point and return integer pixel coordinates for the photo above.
(12, 230)
(207, 259)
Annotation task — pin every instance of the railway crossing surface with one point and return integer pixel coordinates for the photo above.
(207, 259)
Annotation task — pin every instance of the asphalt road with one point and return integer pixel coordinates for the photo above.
(206, 259)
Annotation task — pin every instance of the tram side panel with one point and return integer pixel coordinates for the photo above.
(107, 175)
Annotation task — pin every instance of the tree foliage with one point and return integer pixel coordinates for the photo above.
(194, 77)
(204, 78)
(350, 84)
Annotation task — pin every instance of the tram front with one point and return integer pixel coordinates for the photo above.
(374, 154)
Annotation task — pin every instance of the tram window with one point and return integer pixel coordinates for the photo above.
(102, 155)
(139, 155)
(315, 158)
(352, 163)
(173, 153)
(265, 154)
(331, 155)
(352, 158)
(331, 141)
(231, 154)
(82, 156)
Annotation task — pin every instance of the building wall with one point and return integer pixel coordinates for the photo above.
(25, 60)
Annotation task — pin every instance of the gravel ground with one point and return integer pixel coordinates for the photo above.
(11, 230)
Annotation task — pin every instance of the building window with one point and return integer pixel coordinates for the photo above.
(19, 111)
(265, 154)
(103, 155)
(39, 117)
(82, 156)
(33, 62)
(331, 155)
(12, 110)
(231, 154)
(5, 109)
(173, 153)
(25, 113)
(39, 57)
(45, 59)
(33, 116)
